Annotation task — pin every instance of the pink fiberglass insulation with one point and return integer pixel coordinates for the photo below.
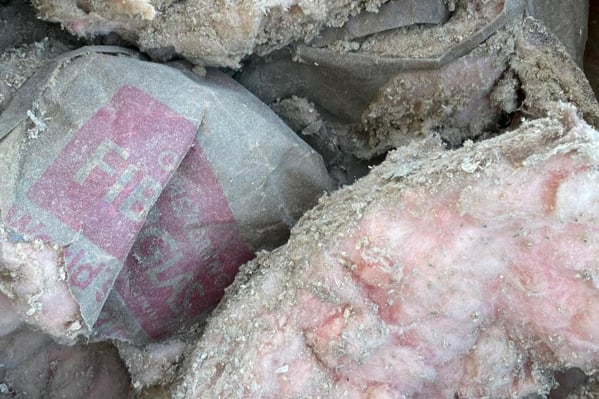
(469, 273)
(33, 288)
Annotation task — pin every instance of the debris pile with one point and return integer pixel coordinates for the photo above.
(397, 198)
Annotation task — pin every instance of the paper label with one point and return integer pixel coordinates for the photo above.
(102, 185)
(185, 255)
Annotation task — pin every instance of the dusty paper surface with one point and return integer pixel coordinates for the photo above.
(100, 188)
(186, 254)
(155, 189)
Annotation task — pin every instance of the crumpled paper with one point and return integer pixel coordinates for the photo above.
(154, 184)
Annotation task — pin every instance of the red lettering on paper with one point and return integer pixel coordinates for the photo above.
(24, 223)
(188, 251)
(109, 175)
(83, 270)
